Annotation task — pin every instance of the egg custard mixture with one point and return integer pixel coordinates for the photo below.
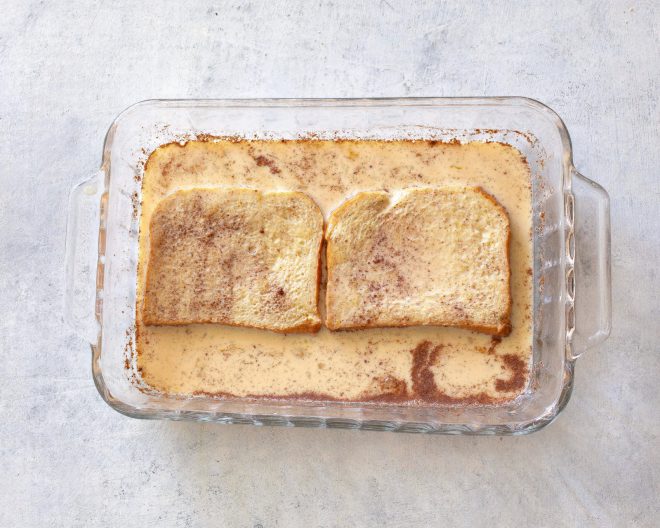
(423, 365)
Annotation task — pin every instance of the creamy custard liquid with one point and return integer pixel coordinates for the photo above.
(426, 364)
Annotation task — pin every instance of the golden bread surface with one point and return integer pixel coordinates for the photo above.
(238, 257)
(426, 256)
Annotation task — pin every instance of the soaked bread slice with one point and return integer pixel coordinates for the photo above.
(238, 257)
(435, 256)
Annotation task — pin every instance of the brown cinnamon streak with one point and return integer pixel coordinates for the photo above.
(424, 389)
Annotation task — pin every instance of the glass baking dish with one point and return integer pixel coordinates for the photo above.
(571, 245)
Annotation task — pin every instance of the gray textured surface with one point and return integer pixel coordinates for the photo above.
(66, 70)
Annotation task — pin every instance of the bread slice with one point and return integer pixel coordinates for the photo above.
(435, 256)
(238, 257)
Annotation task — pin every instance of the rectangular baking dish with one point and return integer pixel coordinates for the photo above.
(571, 246)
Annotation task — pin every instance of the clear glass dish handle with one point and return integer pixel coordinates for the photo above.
(82, 239)
(593, 295)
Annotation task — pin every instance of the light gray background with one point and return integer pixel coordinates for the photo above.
(67, 69)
